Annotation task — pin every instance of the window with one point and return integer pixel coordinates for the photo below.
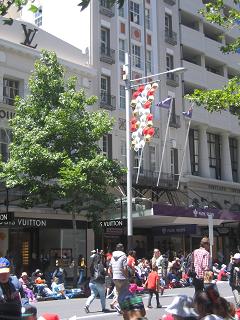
(121, 12)
(5, 139)
(122, 50)
(152, 158)
(38, 17)
(194, 151)
(137, 156)
(170, 65)
(105, 40)
(122, 97)
(234, 158)
(107, 145)
(123, 152)
(105, 89)
(136, 56)
(147, 19)
(134, 12)
(149, 61)
(10, 90)
(214, 151)
(168, 22)
(174, 163)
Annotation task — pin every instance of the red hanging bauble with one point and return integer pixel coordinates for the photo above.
(147, 105)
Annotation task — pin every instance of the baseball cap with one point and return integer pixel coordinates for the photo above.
(236, 256)
(4, 265)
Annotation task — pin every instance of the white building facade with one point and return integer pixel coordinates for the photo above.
(162, 35)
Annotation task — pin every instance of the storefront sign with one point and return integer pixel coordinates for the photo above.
(6, 114)
(6, 216)
(21, 222)
(29, 35)
(166, 230)
(113, 223)
(163, 210)
(223, 230)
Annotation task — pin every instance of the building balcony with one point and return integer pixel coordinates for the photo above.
(170, 2)
(148, 179)
(107, 55)
(172, 79)
(106, 9)
(175, 121)
(171, 37)
(107, 101)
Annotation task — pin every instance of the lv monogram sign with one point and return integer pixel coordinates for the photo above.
(29, 35)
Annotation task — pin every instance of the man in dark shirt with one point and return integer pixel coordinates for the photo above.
(11, 293)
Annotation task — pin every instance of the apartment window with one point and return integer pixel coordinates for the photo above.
(170, 65)
(136, 56)
(107, 145)
(149, 61)
(147, 19)
(194, 151)
(234, 158)
(174, 163)
(152, 158)
(122, 97)
(10, 90)
(38, 17)
(105, 40)
(137, 157)
(105, 89)
(5, 139)
(134, 12)
(122, 50)
(168, 22)
(121, 12)
(123, 152)
(214, 151)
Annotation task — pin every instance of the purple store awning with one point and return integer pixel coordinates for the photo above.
(163, 210)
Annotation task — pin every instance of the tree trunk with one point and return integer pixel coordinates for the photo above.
(75, 258)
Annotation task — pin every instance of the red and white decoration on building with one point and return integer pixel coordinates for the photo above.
(142, 119)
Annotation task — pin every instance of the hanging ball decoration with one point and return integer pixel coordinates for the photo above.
(151, 131)
(135, 94)
(150, 92)
(150, 123)
(149, 117)
(147, 105)
(133, 102)
(151, 98)
(155, 85)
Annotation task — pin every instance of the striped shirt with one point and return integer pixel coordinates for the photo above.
(201, 261)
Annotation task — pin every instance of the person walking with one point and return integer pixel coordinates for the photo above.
(152, 284)
(201, 262)
(82, 268)
(234, 280)
(118, 270)
(97, 282)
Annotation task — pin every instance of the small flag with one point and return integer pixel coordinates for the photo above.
(188, 113)
(165, 103)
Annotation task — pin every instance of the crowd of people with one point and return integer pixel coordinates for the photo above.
(124, 278)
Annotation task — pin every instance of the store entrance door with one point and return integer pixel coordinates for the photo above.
(23, 250)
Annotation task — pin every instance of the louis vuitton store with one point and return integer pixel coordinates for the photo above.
(33, 243)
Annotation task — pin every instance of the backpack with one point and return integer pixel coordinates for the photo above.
(189, 265)
(98, 272)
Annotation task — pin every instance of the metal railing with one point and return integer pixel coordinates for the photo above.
(107, 101)
(107, 54)
(170, 2)
(149, 178)
(106, 9)
(172, 79)
(171, 37)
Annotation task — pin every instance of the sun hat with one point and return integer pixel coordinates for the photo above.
(49, 316)
(4, 265)
(24, 274)
(236, 256)
(182, 306)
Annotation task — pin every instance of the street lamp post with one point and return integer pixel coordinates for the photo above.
(129, 84)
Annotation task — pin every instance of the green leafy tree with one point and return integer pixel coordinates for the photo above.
(54, 154)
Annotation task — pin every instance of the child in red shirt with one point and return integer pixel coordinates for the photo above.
(152, 284)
